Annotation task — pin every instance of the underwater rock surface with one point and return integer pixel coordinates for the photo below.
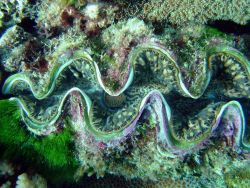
(89, 90)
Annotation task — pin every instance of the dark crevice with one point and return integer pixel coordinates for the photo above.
(29, 25)
(230, 27)
(33, 2)
(159, 27)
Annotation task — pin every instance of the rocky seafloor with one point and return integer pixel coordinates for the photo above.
(136, 93)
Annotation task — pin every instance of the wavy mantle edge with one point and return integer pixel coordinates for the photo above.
(165, 134)
(22, 77)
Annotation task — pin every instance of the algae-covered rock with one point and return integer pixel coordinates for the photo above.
(147, 93)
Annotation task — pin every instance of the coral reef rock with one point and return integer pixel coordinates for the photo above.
(156, 97)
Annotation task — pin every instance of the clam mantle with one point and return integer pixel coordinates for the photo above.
(141, 95)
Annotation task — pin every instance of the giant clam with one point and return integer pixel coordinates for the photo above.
(145, 108)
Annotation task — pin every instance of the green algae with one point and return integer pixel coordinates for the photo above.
(238, 177)
(52, 155)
